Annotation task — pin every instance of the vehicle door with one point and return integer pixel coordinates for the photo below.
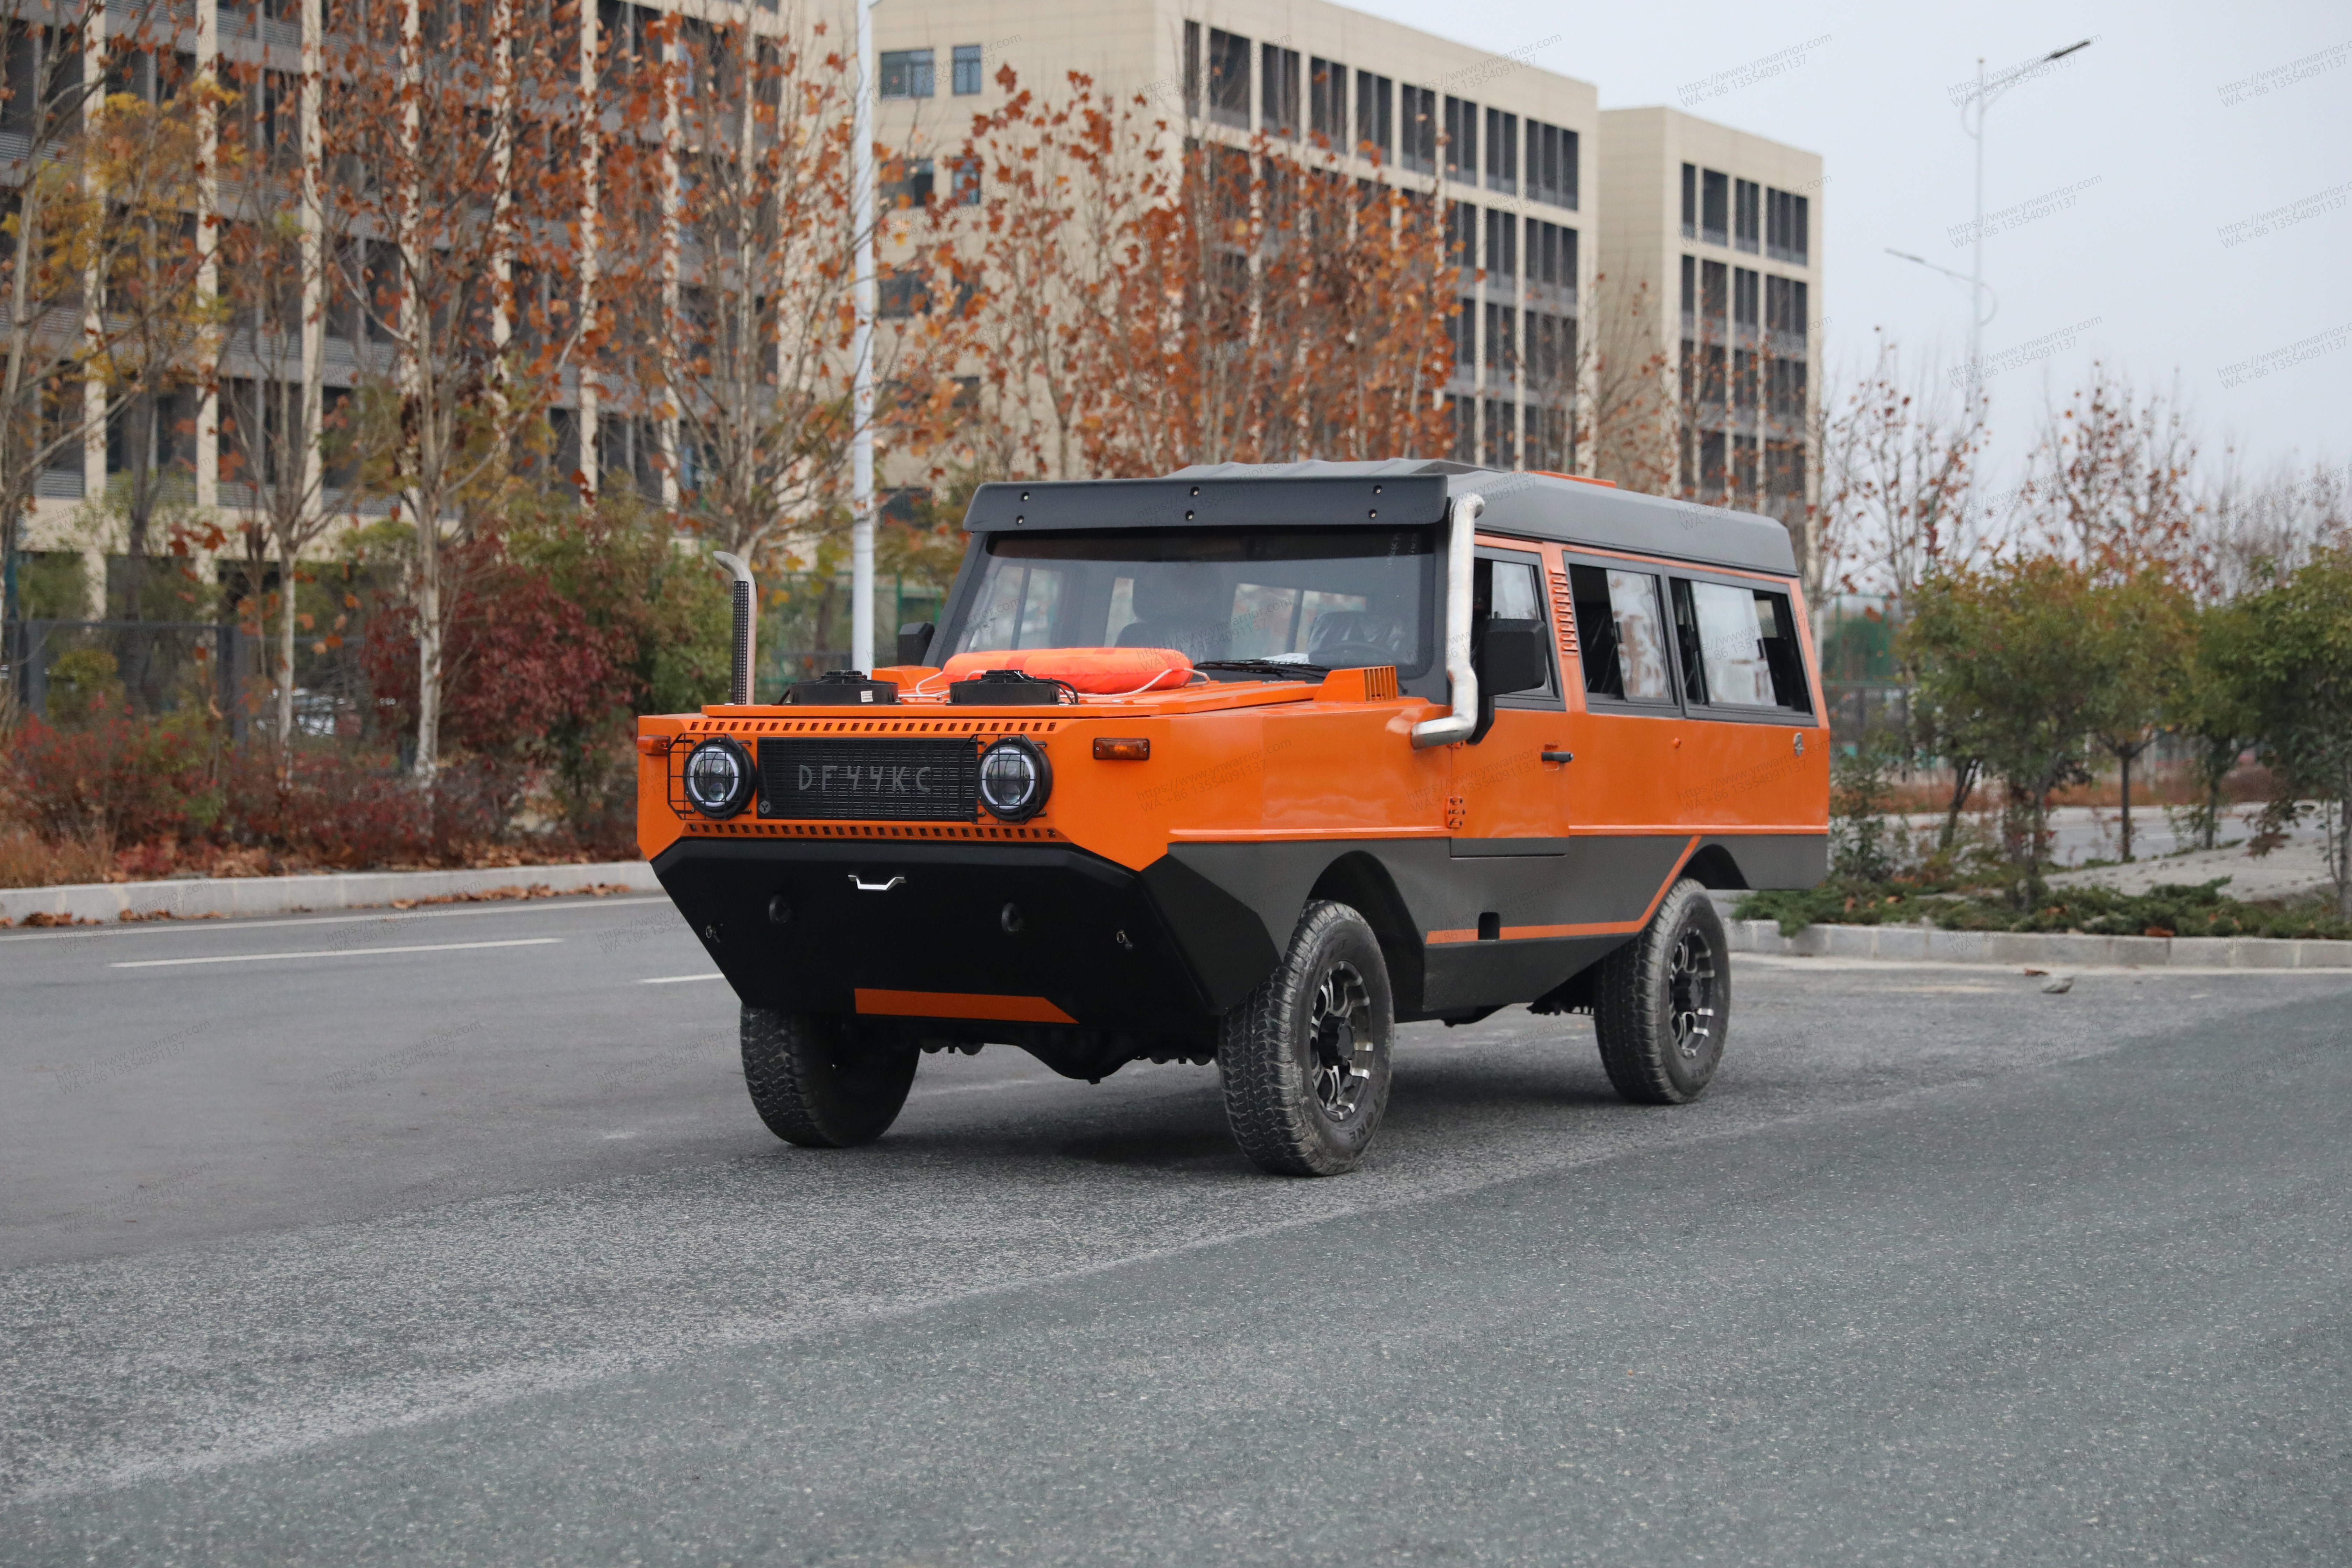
(1748, 699)
(1628, 739)
(1511, 799)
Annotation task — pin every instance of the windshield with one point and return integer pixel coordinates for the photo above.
(1340, 597)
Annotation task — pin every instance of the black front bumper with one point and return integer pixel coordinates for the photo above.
(1160, 953)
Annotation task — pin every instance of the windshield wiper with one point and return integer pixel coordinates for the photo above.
(1272, 668)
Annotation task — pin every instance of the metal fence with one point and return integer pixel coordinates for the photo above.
(68, 672)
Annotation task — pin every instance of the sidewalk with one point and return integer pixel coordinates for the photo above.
(202, 898)
(2043, 949)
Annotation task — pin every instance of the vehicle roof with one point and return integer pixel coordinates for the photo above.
(1407, 491)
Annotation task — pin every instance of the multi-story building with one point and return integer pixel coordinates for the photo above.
(1508, 147)
(1543, 193)
(1712, 238)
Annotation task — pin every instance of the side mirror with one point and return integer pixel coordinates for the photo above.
(914, 642)
(1511, 657)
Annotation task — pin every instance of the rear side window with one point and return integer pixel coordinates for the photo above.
(1621, 634)
(1738, 646)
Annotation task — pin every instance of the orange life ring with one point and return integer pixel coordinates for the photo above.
(1100, 671)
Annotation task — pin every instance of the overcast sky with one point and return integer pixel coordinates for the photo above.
(2161, 165)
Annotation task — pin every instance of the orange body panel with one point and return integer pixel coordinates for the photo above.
(1241, 762)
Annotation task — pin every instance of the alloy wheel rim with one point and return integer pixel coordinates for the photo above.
(1340, 1038)
(1691, 994)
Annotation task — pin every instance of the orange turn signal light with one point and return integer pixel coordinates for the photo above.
(653, 746)
(1108, 750)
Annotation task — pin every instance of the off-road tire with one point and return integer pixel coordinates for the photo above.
(1296, 1110)
(815, 1085)
(1663, 1026)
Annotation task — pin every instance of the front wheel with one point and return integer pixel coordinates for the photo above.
(1663, 1004)
(815, 1084)
(1305, 1059)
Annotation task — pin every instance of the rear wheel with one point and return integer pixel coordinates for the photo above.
(1661, 1006)
(1305, 1059)
(815, 1084)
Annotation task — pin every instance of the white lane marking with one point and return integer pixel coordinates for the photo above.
(679, 979)
(560, 903)
(2137, 971)
(336, 953)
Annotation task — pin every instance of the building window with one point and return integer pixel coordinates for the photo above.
(1746, 219)
(1462, 141)
(1551, 357)
(1417, 121)
(1502, 433)
(1375, 116)
(1786, 220)
(1743, 380)
(1784, 470)
(1551, 438)
(1743, 301)
(1743, 467)
(1280, 116)
(1714, 207)
(906, 182)
(1784, 315)
(1462, 234)
(1502, 152)
(1465, 334)
(1714, 300)
(1502, 245)
(967, 69)
(1465, 428)
(1327, 102)
(1690, 201)
(1503, 341)
(908, 73)
(1192, 67)
(1229, 80)
(1551, 257)
(903, 293)
(1552, 164)
(1784, 389)
(964, 182)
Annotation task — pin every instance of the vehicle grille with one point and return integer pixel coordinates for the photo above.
(843, 777)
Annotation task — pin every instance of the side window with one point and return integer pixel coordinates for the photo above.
(1511, 589)
(1739, 647)
(1621, 633)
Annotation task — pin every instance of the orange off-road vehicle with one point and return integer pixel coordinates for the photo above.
(1245, 766)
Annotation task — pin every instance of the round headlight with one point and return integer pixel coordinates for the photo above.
(1014, 779)
(719, 776)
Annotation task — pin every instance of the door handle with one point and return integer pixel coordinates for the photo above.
(1558, 756)
(865, 887)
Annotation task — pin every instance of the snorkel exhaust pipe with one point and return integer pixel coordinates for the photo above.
(747, 605)
(1462, 676)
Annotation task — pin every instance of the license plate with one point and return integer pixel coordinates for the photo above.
(848, 777)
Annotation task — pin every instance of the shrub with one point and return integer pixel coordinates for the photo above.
(118, 779)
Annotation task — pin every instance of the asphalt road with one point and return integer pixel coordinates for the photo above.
(450, 1238)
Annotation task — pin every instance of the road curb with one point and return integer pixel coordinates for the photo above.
(2045, 949)
(196, 898)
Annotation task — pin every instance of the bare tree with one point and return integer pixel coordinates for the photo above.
(1898, 474)
(2111, 479)
(2256, 531)
(61, 155)
(459, 140)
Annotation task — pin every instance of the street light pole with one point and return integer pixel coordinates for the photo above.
(1978, 317)
(861, 395)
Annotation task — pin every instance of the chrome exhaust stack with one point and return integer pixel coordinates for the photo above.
(1462, 676)
(747, 608)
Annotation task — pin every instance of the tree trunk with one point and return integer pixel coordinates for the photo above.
(2124, 757)
(1964, 781)
(427, 602)
(285, 667)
